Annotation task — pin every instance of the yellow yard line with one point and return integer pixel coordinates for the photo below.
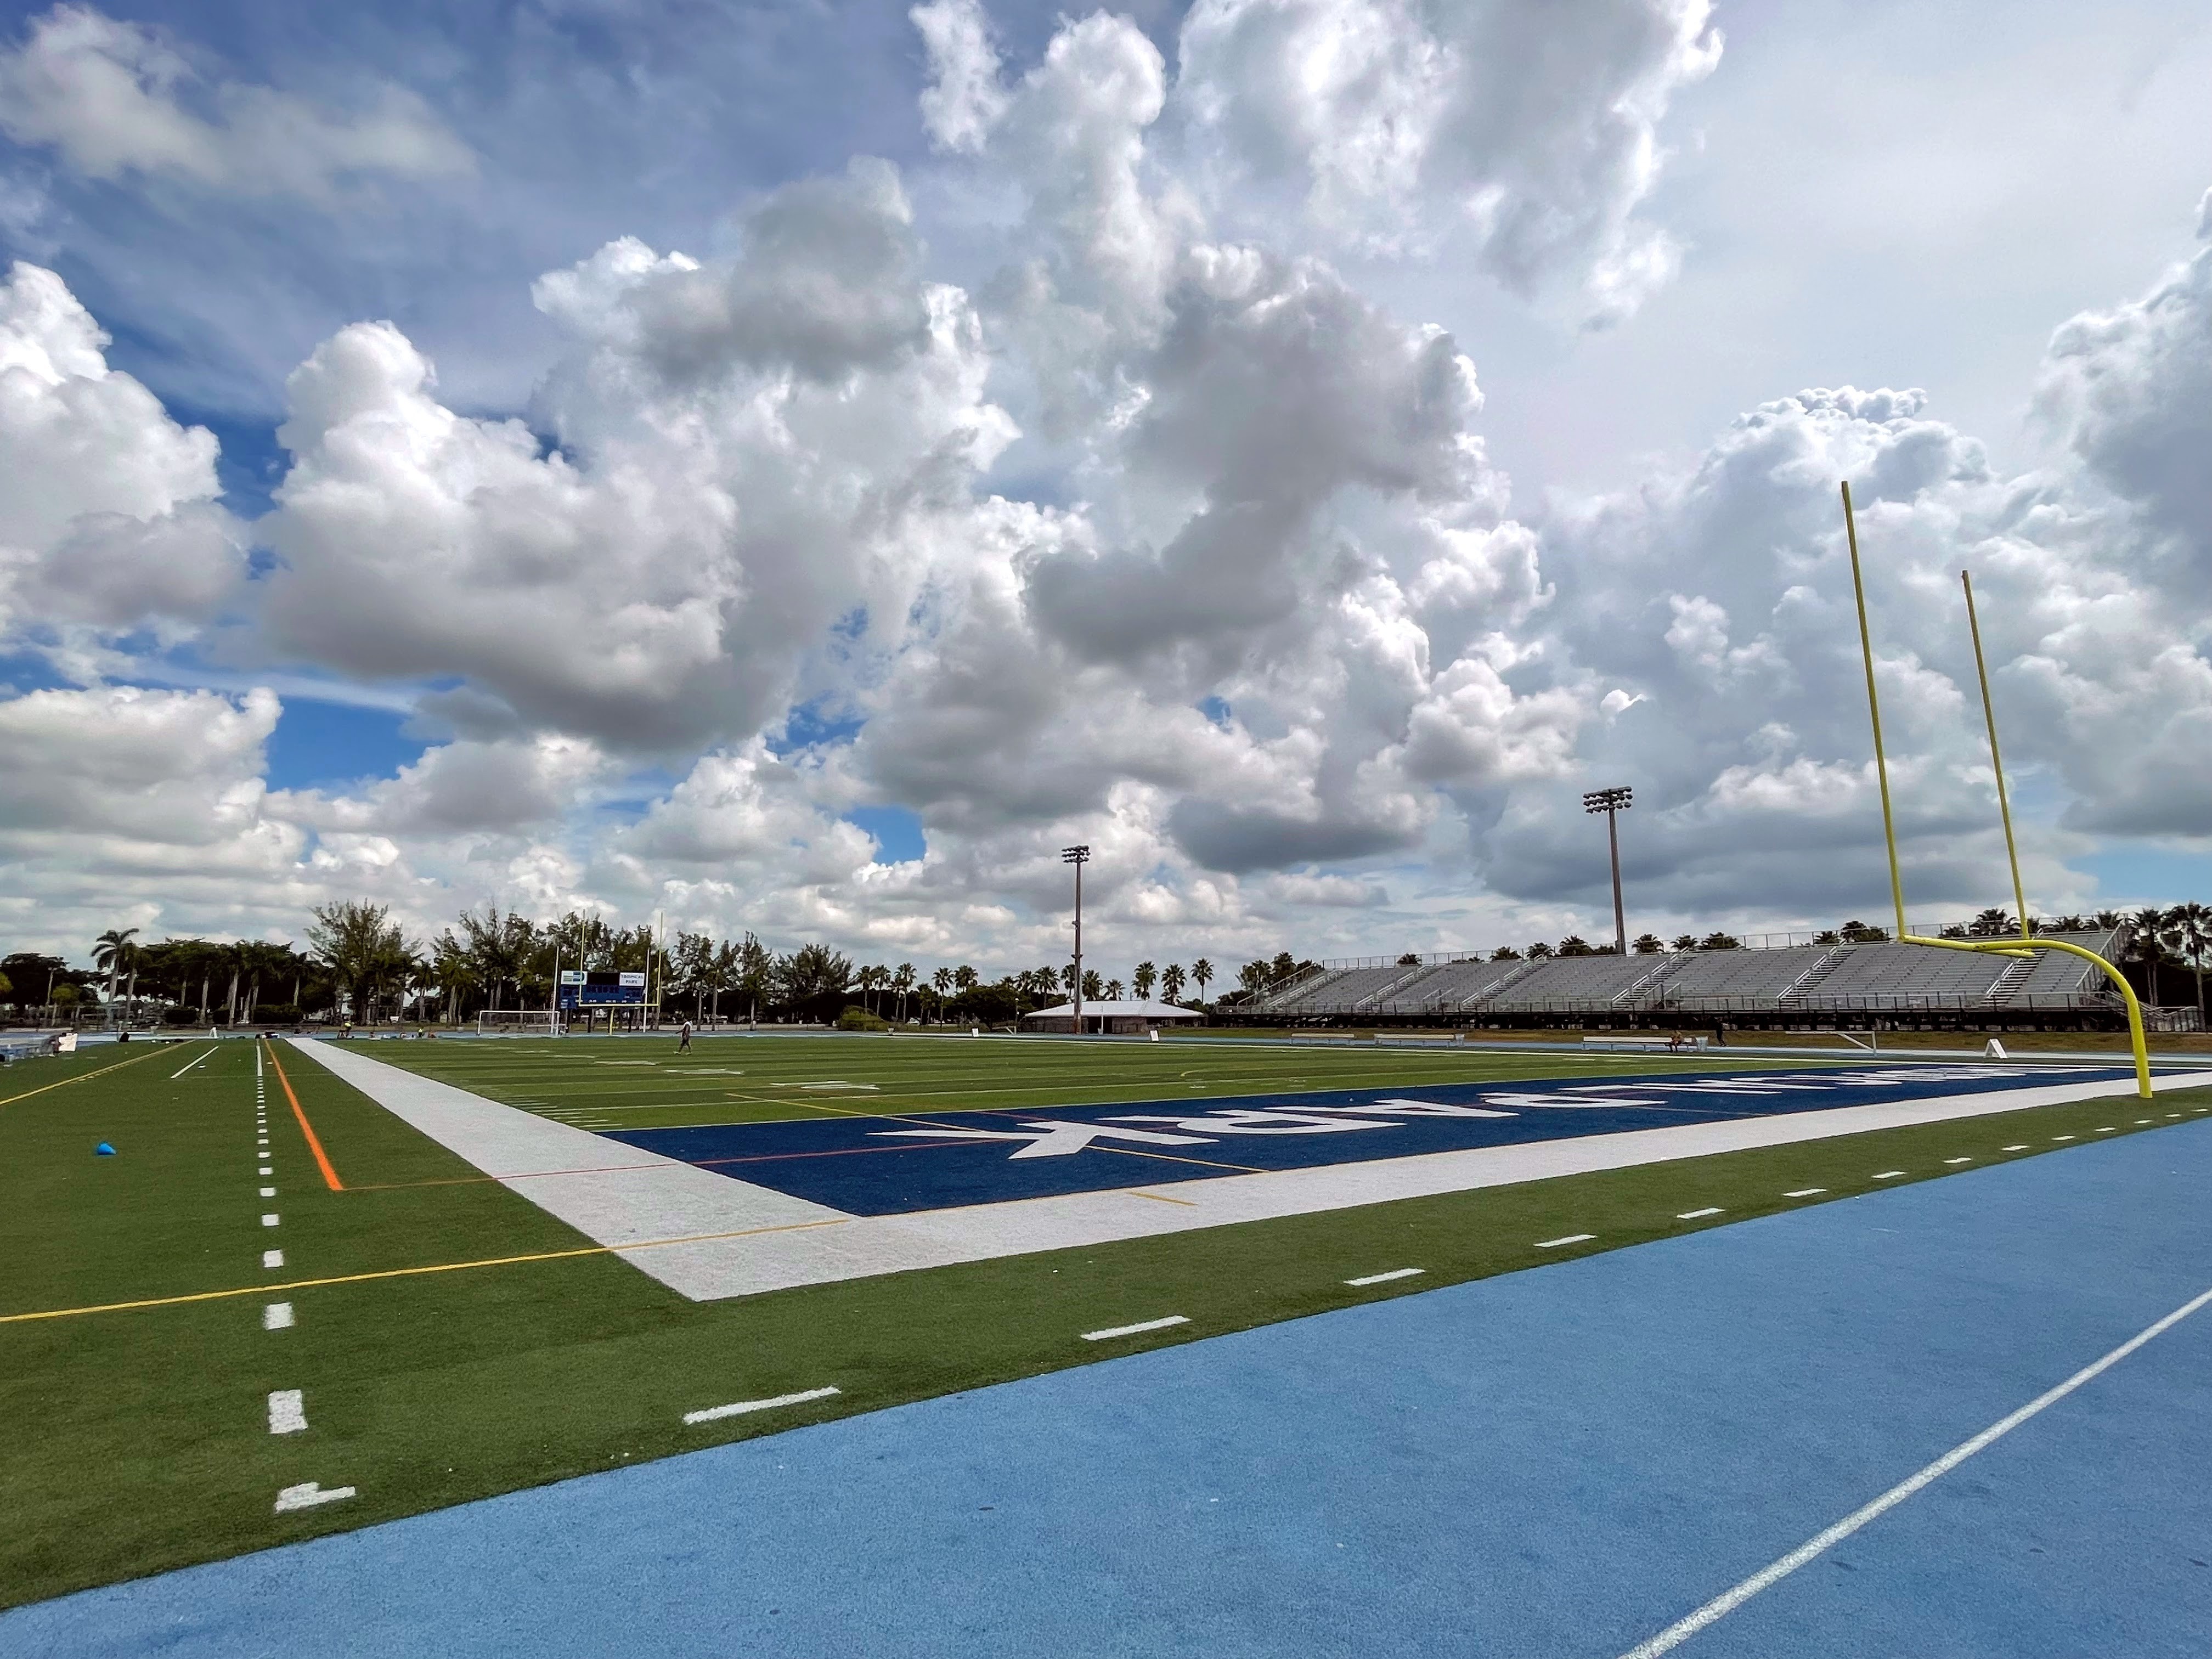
(82, 1076)
(406, 1273)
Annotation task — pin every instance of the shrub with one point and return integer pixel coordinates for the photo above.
(857, 1019)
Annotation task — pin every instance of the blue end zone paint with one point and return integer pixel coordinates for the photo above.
(1550, 1465)
(886, 1165)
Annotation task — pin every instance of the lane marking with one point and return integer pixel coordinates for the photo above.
(181, 1070)
(1721, 1605)
(306, 1497)
(2108, 1128)
(1806, 1192)
(741, 1407)
(1958, 1160)
(269, 1220)
(269, 1259)
(87, 1076)
(2016, 1149)
(276, 1316)
(287, 1411)
(1891, 1175)
(2062, 1137)
(1134, 1330)
(263, 1168)
(1385, 1279)
(1572, 1238)
(314, 1146)
(267, 1191)
(1699, 1215)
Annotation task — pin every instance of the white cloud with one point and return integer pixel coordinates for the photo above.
(109, 521)
(116, 98)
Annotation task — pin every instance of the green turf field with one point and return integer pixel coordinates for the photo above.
(642, 1083)
(451, 1342)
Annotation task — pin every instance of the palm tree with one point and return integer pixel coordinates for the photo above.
(2143, 946)
(114, 951)
(2189, 931)
(1112, 990)
(1144, 979)
(1171, 983)
(1201, 974)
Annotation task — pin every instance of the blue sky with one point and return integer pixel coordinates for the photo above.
(796, 467)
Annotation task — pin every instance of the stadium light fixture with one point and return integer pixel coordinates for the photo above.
(2023, 946)
(1613, 803)
(1078, 856)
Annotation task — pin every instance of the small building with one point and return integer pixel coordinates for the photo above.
(1111, 1018)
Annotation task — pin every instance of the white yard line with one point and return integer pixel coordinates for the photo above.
(181, 1070)
(743, 1407)
(1112, 1331)
(1722, 1605)
(306, 1495)
(1385, 1279)
(1572, 1238)
(1806, 1192)
(1699, 1215)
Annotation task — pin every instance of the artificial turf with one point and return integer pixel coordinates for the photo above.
(139, 1439)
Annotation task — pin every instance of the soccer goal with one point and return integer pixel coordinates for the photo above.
(518, 1022)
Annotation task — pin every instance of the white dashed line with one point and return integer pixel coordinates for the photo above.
(267, 1191)
(269, 1220)
(1385, 1279)
(1572, 1238)
(276, 1316)
(2016, 1149)
(1699, 1215)
(1958, 1160)
(1891, 1175)
(306, 1495)
(263, 1169)
(2062, 1137)
(1134, 1330)
(287, 1411)
(743, 1406)
(272, 1258)
(2109, 1129)
(1806, 1192)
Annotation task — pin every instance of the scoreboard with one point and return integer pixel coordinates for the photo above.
(601, 988)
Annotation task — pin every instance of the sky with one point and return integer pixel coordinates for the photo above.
(794, 468)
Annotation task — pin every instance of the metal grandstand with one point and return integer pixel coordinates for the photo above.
(1787, 984)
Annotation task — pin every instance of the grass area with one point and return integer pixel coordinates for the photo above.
(140, 1439)
(642, 1083)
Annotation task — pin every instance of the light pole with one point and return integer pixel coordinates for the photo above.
(1078, 856)
(1613, 803)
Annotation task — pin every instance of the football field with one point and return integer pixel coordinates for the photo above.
(282, 1308)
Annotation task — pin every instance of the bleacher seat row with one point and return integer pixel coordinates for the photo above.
(1815, 980)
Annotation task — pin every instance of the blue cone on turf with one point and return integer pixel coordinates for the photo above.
(103, 1150)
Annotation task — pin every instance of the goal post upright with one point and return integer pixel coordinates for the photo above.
(2026, 945)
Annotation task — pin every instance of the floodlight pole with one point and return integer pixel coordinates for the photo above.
(1078, 856)
(1613, 803)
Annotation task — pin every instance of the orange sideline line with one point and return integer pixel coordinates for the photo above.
(322, 1161)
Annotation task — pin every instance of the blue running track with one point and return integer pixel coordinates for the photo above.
(1559, 1462)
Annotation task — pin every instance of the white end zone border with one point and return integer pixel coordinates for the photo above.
(653, 1210)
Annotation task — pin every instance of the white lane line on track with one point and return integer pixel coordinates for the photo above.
(263, 1168)
(1134, 1330)
(1721, 1605)
(307, 1495)
(1385, 1279)
(1572, 1238)
(2062, 1137)
(288, 1411)
(1806, 1192)
(2109, 1129)
(1699, 1215)
(276, 1316)
(743, 1406)
(181, 1070)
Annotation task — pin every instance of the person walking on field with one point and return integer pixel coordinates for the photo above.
(684, 1039)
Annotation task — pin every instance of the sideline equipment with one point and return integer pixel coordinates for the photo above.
(518, 1022)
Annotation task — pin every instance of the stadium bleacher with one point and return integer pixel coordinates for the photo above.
(1801, 981)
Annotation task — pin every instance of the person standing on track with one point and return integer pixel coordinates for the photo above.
(684, 1039)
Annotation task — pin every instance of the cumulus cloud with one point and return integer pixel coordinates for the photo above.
(1535, 124)
(109, 522)
(116, 98)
